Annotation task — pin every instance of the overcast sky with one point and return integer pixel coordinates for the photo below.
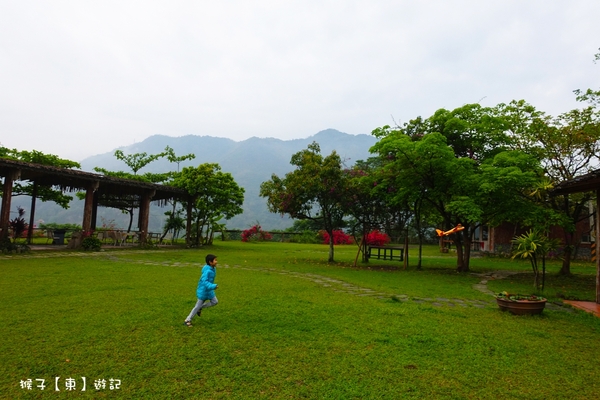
(79, 78)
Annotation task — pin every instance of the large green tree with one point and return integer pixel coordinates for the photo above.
(456, 169)
(428, 169)
(567, 146)
(361, 200)
(312, 191)
(215, 196)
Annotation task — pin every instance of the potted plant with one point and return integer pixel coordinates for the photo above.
(535, 246)
(519, 304)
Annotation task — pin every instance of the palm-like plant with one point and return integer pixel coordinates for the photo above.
(535, 246)
(18, 225)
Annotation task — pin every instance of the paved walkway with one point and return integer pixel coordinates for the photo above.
(336, 285)
(587, 306)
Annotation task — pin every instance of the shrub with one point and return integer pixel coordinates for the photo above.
(377, 238)
(91, 243)
(54, 225)
(8, 247)
(306, 237)
(255, 234)
(339, 237)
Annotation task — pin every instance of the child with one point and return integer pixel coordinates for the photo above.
(206, 289)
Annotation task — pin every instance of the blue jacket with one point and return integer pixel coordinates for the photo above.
(206, 285)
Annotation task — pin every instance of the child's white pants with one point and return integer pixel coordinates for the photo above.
(200, 304)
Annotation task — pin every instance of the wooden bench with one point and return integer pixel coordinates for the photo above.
(386, 253)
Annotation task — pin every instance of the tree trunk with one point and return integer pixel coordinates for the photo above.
(130, 211)
(364, 245)
(467, 254)
(419, 267)
(566, 264)
(164, 235)
(536, 272)
(330, 258)
(198, 233)
(459, 256)
(462, 251)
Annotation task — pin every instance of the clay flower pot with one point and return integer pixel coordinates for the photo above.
(520, 304)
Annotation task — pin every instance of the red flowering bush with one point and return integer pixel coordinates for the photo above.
(255, 234)
(339, 237)
(376, 238)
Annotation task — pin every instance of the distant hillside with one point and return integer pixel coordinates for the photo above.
(251, 162)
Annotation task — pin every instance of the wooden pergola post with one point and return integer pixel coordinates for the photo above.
(88, 208)
(6, 201)
(145, 214)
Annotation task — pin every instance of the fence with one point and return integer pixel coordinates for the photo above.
(235, 234)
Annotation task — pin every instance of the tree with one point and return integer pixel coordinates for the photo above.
(428, 169)
(312, 191)
(215, 196)
(567, 146)
(454, 169)
(136, 162)
(590, 96)
(175, 223)
(471, 131)
(535, 245)
(365, 200)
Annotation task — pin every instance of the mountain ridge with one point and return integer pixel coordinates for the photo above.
(250, 162)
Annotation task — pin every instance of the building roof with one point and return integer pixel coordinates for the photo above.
(584, 183)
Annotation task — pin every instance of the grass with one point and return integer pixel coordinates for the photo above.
(285, 327)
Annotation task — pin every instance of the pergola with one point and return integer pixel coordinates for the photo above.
(586, 183)
(99, 190)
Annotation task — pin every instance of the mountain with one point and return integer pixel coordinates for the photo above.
(250, 162)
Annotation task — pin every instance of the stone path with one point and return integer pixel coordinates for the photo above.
(482, 287)
(336, 285)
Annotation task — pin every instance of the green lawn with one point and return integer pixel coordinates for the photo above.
(288, 325)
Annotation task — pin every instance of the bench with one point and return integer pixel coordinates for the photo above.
(386, 253)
